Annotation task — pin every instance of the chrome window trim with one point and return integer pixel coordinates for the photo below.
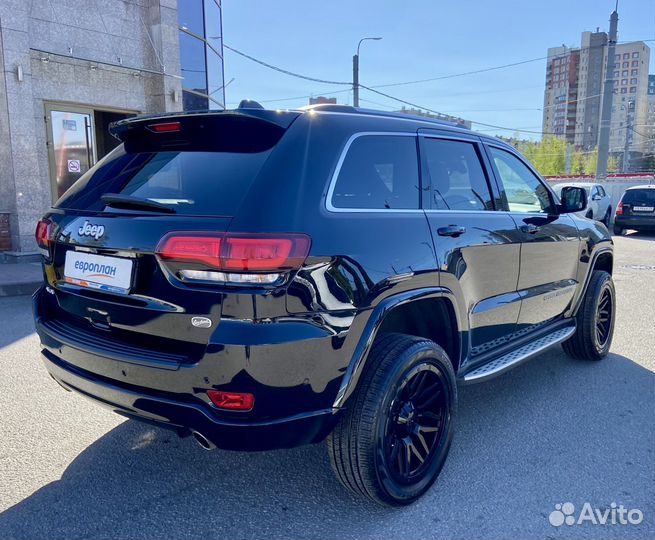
(330, 193)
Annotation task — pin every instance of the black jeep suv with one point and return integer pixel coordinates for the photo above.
(265, 279)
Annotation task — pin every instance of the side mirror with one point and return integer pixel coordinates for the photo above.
(596, 197)
(573, 199)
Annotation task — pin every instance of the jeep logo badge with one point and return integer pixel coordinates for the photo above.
(201, 322)
(96, 231)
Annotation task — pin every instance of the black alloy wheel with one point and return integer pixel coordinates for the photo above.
(594, 320)
(395, 432)
(418, 420)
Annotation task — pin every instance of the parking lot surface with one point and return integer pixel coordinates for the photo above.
(552, 431)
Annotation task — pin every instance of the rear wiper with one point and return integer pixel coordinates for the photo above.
(116, 200)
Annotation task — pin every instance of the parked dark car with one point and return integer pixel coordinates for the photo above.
(636, 210)
(264, 279)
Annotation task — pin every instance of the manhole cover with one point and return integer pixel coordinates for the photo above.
(639, 266)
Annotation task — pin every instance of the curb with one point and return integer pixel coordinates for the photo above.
(18, 289)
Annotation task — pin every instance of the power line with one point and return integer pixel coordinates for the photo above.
(445, 115)
(493, 68)
(631, 128)
(286, 72)
(372, 89)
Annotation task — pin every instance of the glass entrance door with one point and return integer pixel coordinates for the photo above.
(71, 145)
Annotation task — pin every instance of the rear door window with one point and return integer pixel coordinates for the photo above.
(190, 182)
(379, 172)
(457, 179)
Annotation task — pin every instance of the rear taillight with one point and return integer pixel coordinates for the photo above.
(43, 235)
(232, 401)
(202, 249)
(234, 258)
(619, 208)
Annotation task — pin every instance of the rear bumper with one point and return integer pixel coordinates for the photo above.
(137, 403)
(635, 222)
(294, 382)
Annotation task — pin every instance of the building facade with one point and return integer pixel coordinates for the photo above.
(445, 117)
(561, 93)
(68, 68)
(574, 92)
(647, 131)
(322, 100)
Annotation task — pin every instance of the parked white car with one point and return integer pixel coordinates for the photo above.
(598, 201)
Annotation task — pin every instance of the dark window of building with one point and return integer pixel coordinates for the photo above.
(201, 50)
(214, 53)
(379, 172)
(456, 176)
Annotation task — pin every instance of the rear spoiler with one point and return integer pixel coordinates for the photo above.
(246, 130)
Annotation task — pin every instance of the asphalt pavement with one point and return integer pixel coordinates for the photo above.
(552, 431)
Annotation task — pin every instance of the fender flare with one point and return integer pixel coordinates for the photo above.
(592, 263)
(360, 355)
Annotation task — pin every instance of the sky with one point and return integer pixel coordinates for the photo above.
(420, 39)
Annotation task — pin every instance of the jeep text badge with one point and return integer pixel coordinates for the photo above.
(201, 322)
(96, 231)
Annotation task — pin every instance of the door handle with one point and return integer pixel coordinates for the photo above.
(451, 230)
(529, 228)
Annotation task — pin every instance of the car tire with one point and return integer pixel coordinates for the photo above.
(594, 320)
(606, 219)
(618, 230)
(393, 438)
(590, 214)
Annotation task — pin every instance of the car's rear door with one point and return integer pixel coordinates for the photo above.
(477, 247)
(550, 243)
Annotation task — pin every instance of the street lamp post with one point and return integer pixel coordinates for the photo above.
(356, 70)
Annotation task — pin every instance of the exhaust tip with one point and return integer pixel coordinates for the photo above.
(203, 441)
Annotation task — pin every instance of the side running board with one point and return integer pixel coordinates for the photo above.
(514, 358)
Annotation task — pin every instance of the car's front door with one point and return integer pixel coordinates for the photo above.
(550, 244)
(477, 247)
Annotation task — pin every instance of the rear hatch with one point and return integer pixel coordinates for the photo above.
(639, 202)
(113, 286)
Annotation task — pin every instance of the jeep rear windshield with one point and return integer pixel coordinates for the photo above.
(191, 183)
(203, 167)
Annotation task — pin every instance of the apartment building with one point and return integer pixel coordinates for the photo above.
(574, 90)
